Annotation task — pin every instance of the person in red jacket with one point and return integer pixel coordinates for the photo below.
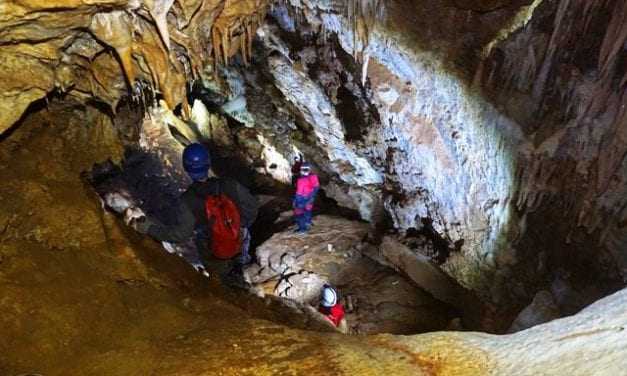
(307, 187)
(330, 307)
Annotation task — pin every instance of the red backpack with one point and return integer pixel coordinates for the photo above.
(224, 220)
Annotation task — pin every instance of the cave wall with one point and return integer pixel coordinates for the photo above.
(424, 145)
(508, 138)
(499, 123)
(478, 130)
(82, 293)
(562, 79)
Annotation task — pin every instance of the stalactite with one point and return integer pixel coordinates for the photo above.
(362, 16)
(241, 21)
(159, 10)
(163, 43)
(558, 32)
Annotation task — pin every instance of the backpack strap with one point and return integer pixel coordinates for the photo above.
(215, 188)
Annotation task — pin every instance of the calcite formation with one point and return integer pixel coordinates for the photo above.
(104, 50)
(497, 126)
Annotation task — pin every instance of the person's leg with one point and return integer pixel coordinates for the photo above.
(234, 275)
(213, 266)
(308, 216)
(299, 218)
(202, 242)
(301, 221)
(245, 257)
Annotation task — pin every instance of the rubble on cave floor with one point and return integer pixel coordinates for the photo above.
(378, 299)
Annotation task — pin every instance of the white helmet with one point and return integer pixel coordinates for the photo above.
(329, 296)
(305, 168)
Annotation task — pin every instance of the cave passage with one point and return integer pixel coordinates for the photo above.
(472, 161)
(377, 298)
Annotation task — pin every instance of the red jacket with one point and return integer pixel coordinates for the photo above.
(334, 314)
(308, 185)
(306, 189)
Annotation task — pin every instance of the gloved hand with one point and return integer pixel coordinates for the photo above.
(136, 218)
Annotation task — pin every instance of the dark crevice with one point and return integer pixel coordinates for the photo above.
(441, 246)
(350, 115)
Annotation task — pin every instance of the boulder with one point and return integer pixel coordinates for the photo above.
(542, 309)
(322, 251)
(377, 299)
(423, 272)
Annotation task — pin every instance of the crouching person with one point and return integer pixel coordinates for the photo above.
(332, 309)
(216, 212)
(307, 187)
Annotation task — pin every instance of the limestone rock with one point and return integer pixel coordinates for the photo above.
(423, 272)
(313, 104)
(125, 306)
(295, 267)
(159, 45)
(542, 309)
(478, 132)
(289, 252)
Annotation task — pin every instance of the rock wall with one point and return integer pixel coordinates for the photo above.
(500, 124)
(474, 130)
(562, 79)
(389, 127)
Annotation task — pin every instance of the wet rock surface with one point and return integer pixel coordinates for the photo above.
(378, 300)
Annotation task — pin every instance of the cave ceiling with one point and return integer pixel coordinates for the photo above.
(101, 48)
(104, 50)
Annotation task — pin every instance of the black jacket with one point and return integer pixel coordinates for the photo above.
(191, 213)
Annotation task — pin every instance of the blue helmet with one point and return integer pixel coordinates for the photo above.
(196, 161)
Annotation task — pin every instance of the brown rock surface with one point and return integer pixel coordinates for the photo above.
(82, 295)
(296, 266)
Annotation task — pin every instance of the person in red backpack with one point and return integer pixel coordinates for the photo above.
(330, 307)
(214, 211)
(307, 187)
